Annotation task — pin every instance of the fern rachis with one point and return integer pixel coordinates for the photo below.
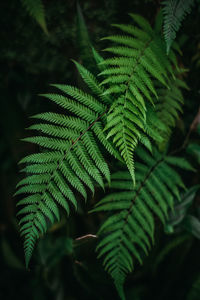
(130, 229)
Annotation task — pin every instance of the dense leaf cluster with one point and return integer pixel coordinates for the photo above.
(125, 115)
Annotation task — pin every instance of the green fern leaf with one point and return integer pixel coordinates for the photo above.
(129, 231)
(139, 58)
(168, 107)
(71, 159)
(36, 9)
(174, 12)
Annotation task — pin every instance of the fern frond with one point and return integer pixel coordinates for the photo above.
(71, 159)
(83, 39)
(169, 106)
(139, 58)
(174, 12)
(130, 230)
(36, 10)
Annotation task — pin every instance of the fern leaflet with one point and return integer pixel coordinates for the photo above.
(130, 230)
(174, 13)
(168, 107)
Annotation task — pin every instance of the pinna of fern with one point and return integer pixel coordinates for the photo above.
(139, 59)
(129, 230)
(169, 106)
(174, 12)
(71, 160)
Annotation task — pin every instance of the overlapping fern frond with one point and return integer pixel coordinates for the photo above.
(129, 231)
(72, 159)
(169, 106)
(137, 102)
(139, 57)
(174, 13)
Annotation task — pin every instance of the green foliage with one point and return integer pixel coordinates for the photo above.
(72, 158)
(128, 116)
(169, 106)
(130, 231)
(174, 13)
(83, 39)
(194, 150)
(179, 214)
(36, 10)
(140, 58)
(72, 141)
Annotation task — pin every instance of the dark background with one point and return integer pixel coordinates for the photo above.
(30, 60)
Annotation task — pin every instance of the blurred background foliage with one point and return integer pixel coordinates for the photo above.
(64, 267)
